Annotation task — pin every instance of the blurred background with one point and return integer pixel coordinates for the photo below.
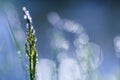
(99, 18)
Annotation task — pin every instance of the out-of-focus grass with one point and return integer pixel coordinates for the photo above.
(91, 73)
(17, 42)
(19, 50)
(13, 37)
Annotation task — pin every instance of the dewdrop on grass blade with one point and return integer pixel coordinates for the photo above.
(24, 8)
(30, 45)
(27, 15)
(19, 52)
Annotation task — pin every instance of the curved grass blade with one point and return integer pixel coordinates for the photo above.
(18, 48)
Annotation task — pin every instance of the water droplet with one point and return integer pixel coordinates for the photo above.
(24, 8)
(18, 51)
(35, 39)
(25, 17)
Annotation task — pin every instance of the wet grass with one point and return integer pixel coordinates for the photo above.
(30, 46)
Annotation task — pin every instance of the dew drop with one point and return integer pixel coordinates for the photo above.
(25, 17)
(18, 51)
(24, 8)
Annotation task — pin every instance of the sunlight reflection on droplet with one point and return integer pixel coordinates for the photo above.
(25, 17)
(24, 8)
(18, 51)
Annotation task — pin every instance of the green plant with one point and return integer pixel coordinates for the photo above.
(30, 45)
